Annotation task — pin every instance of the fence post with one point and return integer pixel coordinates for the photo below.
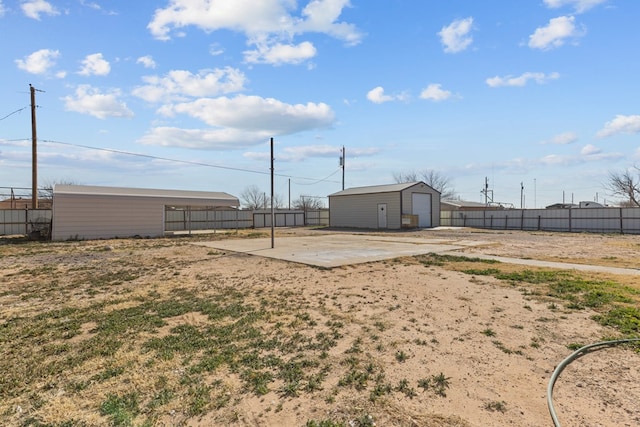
(539, 221)
(506, 222)
(491, 223)
(621, 222)
(570, 222)
(522, 219)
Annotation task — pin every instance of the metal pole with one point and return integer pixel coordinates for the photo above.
(272, 207)
(344, 160)
(34, 151)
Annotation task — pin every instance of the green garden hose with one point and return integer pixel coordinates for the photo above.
(576, 354)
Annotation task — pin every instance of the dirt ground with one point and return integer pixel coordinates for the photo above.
(491, 345)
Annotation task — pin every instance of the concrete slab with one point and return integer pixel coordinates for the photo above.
(335, 250)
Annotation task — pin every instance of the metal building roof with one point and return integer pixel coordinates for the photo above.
(218, 197)
(372, 189)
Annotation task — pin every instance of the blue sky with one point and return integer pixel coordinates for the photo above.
(538, 92)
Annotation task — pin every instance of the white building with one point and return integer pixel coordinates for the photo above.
(91, 212)
(395, 206)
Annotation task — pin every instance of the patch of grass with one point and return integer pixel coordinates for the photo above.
(625, 319)
(489, 332)
(496, 406)
(121, 410)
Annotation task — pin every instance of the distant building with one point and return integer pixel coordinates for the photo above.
(22, 203)
(464, 205)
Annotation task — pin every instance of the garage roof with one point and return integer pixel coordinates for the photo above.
(188, 197)
(390, 188)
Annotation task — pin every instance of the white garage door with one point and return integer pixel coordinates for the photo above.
(421, 206)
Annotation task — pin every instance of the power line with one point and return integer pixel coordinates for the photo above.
(11, 114)
(188, 162)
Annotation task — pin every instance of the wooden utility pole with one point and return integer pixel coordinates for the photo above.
(34, 151)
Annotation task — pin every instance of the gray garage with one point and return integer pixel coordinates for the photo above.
(392, 207)
(92, 212)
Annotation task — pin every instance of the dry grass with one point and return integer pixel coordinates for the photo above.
(162, 332)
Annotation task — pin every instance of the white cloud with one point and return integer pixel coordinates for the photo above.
(278, 53)
(147, 61)
(621, 124)
(39, 62)
(299, 153)
(180, 84)
(270, 25)
(589, 150)
(34, 8)
(555, 33)
(3, 10)
(377, 96)
(203, 139)
(562, 139)
(435, 92)
(95, 65)
(579, 5)
(455, 36)
(255, 114)
(522, 79)
(89, 100)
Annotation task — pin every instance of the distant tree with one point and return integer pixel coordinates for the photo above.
(626, 184)
(253, 199)
(308, 203)
(432, 178)
(46, 191)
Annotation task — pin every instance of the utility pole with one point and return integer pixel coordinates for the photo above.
(34, 151)
(521, 195)
(273, 215)
(342, 163)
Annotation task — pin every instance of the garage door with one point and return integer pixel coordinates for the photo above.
(421, 206)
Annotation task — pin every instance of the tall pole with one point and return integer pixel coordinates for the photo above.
(344, 160)
(34, 151)
(521, 195)
(272, 208)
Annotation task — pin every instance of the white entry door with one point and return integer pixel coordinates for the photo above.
(382, 215)
(421, 206)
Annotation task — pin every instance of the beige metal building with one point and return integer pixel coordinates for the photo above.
(395, 206)
(92, 212)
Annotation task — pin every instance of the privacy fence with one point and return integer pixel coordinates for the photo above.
(183, 219)
(23, 221)
(594, 220)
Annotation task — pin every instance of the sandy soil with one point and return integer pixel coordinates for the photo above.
(495, 343)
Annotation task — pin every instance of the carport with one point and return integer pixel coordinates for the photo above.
(93, 212)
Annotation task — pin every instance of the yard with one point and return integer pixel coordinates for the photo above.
(162, 332)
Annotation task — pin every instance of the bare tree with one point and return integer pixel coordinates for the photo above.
(46, 191)
(308, 203)
(626, 184)
(253, 198)
(432, 178)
